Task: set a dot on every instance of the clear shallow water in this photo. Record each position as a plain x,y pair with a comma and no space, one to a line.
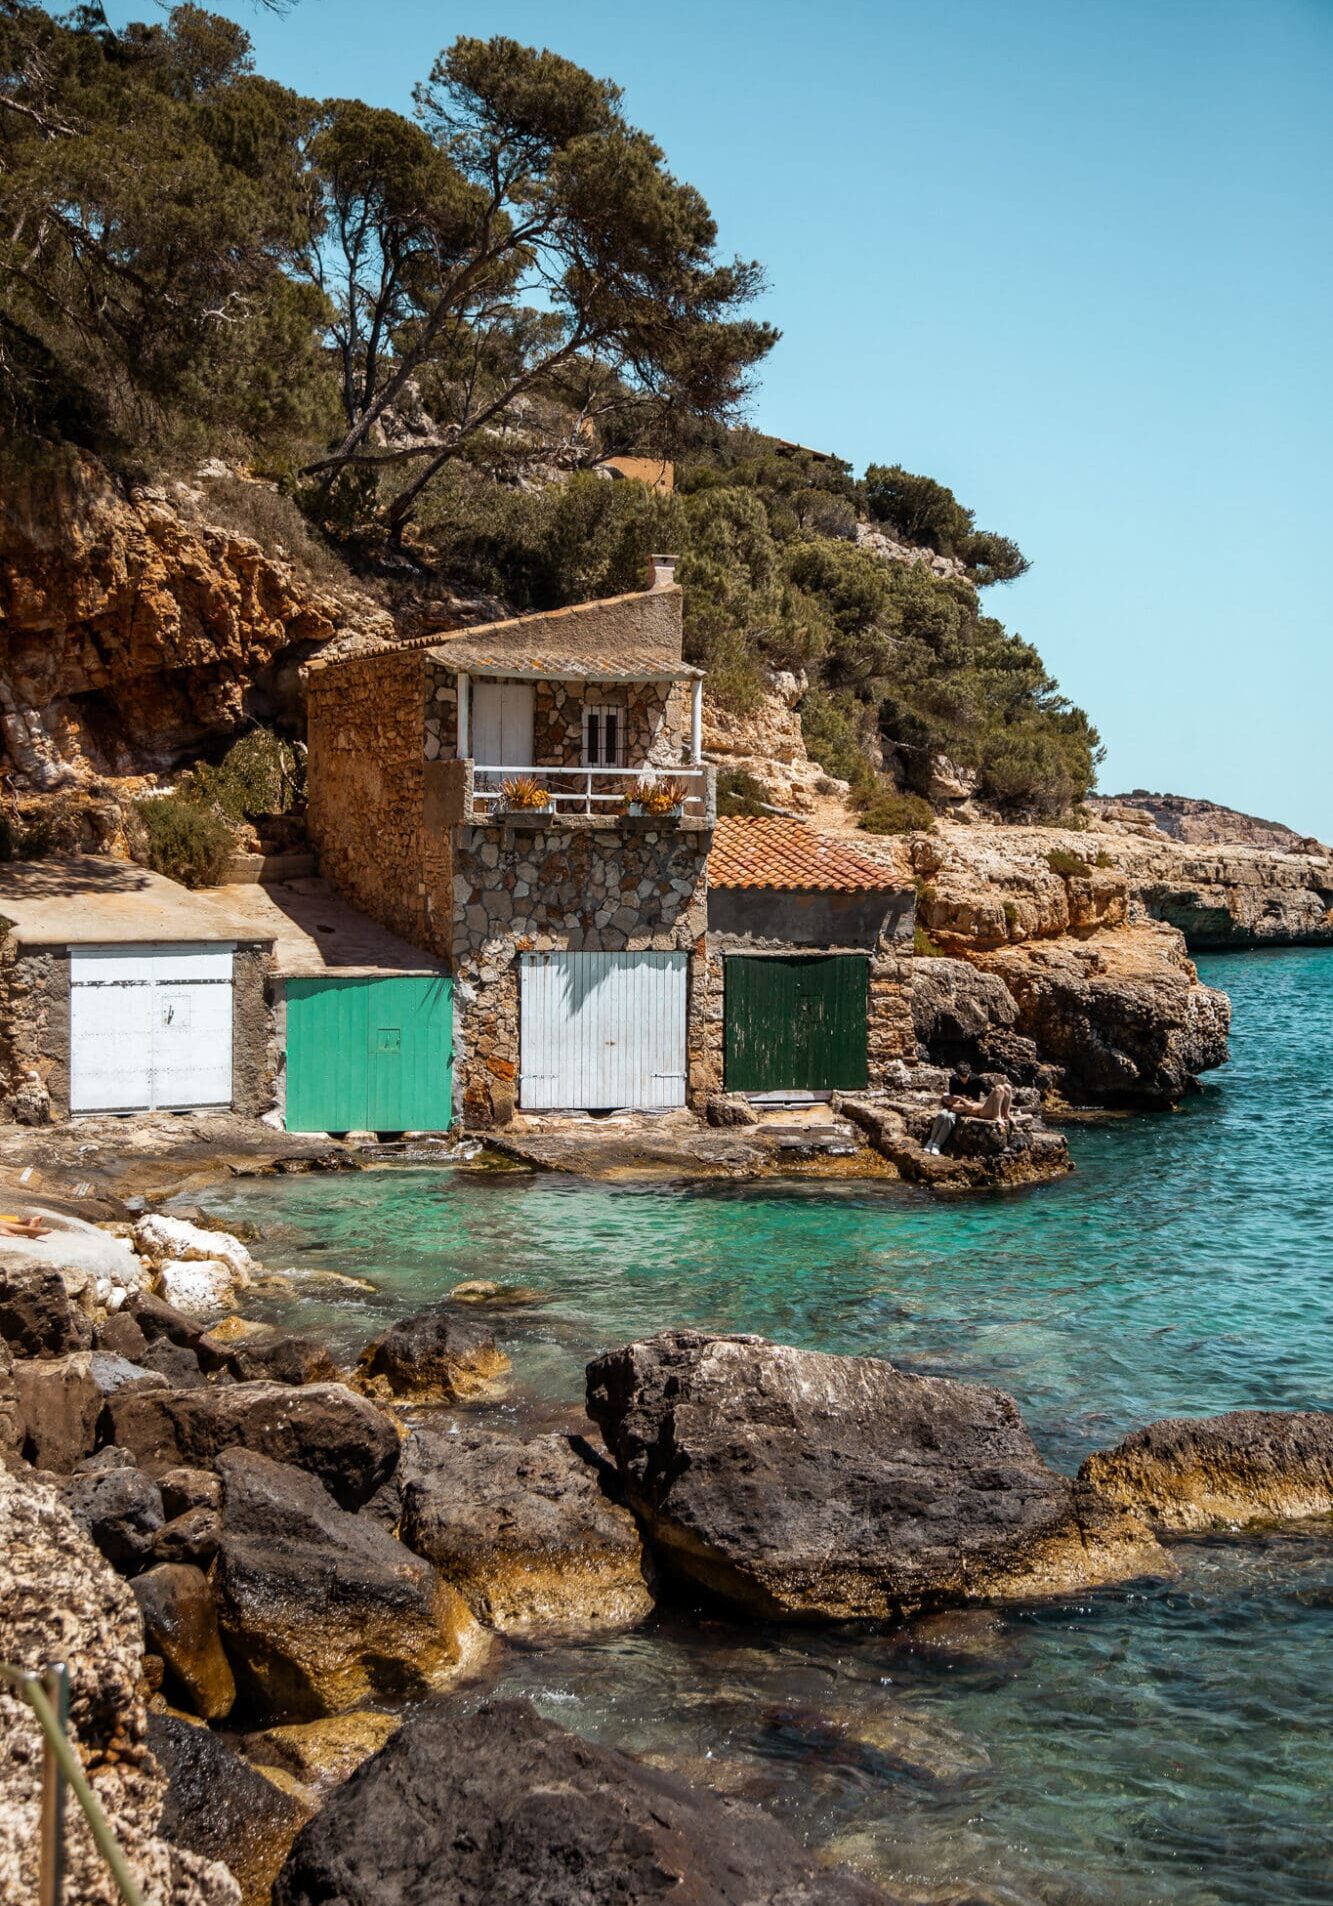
1170,1746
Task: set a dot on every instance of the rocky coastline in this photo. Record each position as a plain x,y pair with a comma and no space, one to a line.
285,1586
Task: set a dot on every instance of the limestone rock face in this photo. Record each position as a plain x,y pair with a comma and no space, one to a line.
133,634
219,1805
438,1355
324,1428
524,1530
954,1003
767,744
60,1599
1200,823
1124,1014
321,1610
501,1805
1190,1473
801,1485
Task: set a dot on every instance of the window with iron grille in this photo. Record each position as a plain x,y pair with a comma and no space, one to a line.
603,737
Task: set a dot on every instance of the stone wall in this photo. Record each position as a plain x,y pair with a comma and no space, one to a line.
365,729
655,718
35,1032
516,891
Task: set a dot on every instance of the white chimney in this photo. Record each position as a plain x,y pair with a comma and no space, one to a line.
661,572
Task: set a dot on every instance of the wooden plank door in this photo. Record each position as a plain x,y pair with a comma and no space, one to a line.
370,1055
599,1031
796,1023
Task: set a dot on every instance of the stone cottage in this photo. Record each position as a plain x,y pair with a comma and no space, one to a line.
490,796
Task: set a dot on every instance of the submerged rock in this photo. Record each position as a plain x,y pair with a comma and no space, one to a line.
1192,1473
219,1806
324,1428
797,1484
501,1805
435,1356
60,1600
321,1610
524,1530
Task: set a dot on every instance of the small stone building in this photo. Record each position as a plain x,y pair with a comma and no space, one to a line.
573,930
808,981
121,992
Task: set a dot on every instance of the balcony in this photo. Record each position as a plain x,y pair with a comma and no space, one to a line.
461,793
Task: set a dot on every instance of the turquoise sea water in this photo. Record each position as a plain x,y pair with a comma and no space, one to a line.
1168,1745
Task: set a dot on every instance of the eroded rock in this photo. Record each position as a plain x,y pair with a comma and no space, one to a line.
502,1805
120,1508
321,1610
1188,1473
438,1355
324,1428
181,1624
524,1529
60,1600
798,1484
221,1807
322,1754
38,1318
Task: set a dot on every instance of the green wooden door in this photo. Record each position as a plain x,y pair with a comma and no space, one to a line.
796,1023
370,1055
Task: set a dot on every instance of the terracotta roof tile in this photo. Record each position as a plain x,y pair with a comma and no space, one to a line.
772,851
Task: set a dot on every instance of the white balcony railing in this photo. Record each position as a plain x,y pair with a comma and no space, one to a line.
590,791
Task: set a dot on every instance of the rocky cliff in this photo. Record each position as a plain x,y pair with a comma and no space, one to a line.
1202,823
133,631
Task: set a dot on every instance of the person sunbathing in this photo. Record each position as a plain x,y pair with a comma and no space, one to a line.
14,1227
995,1106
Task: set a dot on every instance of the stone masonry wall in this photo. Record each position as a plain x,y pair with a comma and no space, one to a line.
582,890
364,726
34,1033
657,718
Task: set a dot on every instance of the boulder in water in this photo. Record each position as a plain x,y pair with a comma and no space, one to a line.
1189,1473
524,1529
501,1805
797,1484
181,1624
322,1754
438,1356
221,1807
321,1610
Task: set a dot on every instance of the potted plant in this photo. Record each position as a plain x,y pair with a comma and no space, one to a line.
523,795
661,799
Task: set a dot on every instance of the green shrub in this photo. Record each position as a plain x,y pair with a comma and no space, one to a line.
741,794
259,774
1068,866
835,729
185,840
1010,910
1103,859
924,947
888,812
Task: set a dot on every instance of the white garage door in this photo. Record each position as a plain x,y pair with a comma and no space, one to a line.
150,1028
600,1030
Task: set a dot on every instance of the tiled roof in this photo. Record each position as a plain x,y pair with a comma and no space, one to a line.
772,851
546,665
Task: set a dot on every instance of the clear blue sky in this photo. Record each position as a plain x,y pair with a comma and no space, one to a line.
1071,257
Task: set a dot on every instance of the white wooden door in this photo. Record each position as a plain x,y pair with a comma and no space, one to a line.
150,1028
602,1030
502,721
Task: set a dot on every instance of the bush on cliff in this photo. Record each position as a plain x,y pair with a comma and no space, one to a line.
184,839
888,812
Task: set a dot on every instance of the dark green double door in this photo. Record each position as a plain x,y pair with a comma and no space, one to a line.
796,1023
370,1055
